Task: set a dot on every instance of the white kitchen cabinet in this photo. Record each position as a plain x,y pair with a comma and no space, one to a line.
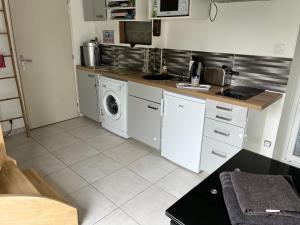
224,133
144,114
226,113
182,130
215,154
88,92
94,10
144,121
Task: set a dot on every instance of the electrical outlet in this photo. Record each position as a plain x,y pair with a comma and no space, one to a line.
267,144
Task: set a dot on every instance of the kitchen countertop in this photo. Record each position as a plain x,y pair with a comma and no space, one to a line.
258,102
201,207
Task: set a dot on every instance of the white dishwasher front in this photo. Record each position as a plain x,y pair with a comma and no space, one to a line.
182,130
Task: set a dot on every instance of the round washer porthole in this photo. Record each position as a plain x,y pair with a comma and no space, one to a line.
111,105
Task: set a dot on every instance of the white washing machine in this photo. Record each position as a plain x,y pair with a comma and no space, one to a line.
114,105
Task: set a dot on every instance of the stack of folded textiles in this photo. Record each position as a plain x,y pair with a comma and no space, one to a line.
253,199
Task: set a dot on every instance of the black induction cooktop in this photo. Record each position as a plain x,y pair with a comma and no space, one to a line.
241,93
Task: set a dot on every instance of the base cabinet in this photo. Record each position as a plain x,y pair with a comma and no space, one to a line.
88,91
144,114
144,121
224,133
215,154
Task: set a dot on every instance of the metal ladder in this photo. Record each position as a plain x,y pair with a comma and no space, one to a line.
14,75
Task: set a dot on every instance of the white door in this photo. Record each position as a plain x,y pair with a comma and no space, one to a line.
43,38
182,130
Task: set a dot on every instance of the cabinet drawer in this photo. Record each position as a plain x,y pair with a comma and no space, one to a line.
215,154
144,121
145,92
227,113
223,132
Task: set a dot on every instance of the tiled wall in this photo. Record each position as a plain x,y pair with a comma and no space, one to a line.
269,73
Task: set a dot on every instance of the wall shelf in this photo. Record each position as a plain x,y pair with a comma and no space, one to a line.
135,10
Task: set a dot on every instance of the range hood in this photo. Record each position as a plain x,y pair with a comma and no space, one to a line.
225,1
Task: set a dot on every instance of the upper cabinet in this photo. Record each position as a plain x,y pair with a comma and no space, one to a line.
131,10
94,10
178,9
119,10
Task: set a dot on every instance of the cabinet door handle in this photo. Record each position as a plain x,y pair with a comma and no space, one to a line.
222,133
223,118
99,16
151,107
224,108
91,76
218,154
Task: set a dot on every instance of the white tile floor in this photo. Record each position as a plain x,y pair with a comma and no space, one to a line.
110,180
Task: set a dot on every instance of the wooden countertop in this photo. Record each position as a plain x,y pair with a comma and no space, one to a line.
258,102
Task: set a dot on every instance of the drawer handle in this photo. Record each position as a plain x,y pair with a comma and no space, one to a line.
218,154
151,107
222,133
223,118
224,108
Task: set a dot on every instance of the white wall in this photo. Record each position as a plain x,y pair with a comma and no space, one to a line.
253,28
244,28
81,30
290,107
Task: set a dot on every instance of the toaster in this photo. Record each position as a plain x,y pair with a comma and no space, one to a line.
216,76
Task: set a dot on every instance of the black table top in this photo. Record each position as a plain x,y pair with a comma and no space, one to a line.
201,207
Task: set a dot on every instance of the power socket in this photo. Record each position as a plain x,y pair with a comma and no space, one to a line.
267,144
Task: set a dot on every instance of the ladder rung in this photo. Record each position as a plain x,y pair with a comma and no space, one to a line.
8,99
5,78
6,56
3,33
14,118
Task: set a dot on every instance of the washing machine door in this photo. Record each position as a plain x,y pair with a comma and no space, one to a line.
111,105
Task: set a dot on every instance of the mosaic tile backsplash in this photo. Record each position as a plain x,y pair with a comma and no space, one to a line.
270,73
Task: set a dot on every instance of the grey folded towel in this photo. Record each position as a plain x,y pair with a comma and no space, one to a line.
237,217
265,194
